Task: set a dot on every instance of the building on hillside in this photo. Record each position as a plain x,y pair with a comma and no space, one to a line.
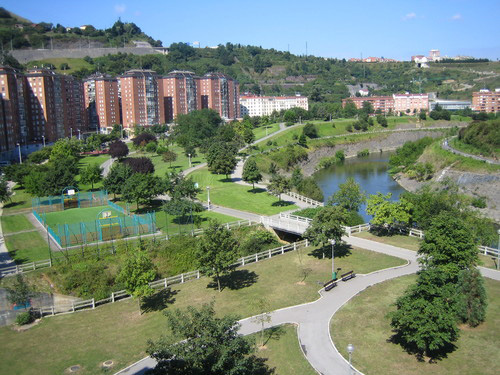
450,105
410,103
179,94
102,102
141,93
434,55
364,92
384,103
252,105
12,109
486,101
221,93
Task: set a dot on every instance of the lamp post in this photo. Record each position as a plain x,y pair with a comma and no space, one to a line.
498,253
208,192
121,131
71,132
43,138
20,158
334,274
189,156
350,349
79,134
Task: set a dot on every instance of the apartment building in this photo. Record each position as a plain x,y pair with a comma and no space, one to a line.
179,94
486,100
383,103
252,105
140,94
12,110
410,103
102,101
221,93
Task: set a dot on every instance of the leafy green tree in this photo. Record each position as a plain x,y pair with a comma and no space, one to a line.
327,224
221,158
388,214
302,141
65,149
309,130
18,172
449,245
210,346
278,186
248,136
179,186
169,156
297,177
91,174
142,188
251,173
471,297
367,108
196,127
116,178
20,292
136,273
5,192
349,195
424,321
216,251
350,109
273,168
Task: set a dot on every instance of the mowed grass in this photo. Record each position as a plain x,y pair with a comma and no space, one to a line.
239,197
15,223
77,215
174,225
261,131
74,64
406,242
362,322
27,247
20,201
88,160
282,350
119,331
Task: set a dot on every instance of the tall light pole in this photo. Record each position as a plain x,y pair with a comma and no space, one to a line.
79,134
189,156
334,274
71,132
43,138
20,158
208,192
350,349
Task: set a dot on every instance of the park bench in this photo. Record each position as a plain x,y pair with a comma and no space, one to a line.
329,285
348,275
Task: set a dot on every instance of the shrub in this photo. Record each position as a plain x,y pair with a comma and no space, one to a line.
140,165
24,318
363,153
479,202
118,149
349,128
40,156
309,130
143,139
257,241
151,147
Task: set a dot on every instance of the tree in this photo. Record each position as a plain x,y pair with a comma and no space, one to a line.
302,141
20,292
221,158
349,195
471,297
169,156
216,251
210,346
116,178
273,168
327,224
91,174
248,136
118,149
179,186
278,186
251,173
264,317
367,107
5,192
309,130
449,244
196,126
136,274
140,165
424,321
388,214
142,188
143,139
65,149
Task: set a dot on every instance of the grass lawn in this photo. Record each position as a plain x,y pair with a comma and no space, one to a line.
77,215
362,323
27,247
74,64
406,242
260,132
20,201
175,227
82,163
469,149
282,349
119,331
15,223
240,197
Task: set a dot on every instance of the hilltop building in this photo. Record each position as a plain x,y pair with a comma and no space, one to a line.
252,105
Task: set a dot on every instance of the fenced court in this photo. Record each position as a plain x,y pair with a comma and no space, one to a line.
97,222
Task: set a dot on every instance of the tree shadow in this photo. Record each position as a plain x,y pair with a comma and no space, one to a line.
282,204
274,333
237,279
236,179
256,190
158,301
341,250
13,204
410,348
154,205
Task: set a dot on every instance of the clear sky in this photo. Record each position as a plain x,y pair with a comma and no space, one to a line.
331,28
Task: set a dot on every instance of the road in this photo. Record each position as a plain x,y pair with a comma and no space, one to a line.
447,147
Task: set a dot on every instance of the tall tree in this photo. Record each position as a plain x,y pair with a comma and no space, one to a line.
91,174
211,346
195,127
327,224
216,251
118,149
20,292
251,173
388,214
5,192
278,186
115,180
349,195
142,188
221,158
169,156
471,297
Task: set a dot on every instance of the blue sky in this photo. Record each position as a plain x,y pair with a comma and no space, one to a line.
392,28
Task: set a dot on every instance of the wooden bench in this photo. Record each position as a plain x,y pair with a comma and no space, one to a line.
329,285
348,275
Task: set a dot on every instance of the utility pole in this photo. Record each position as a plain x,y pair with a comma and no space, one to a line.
306,50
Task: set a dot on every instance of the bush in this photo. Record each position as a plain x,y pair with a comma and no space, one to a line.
308,212
40,156
310,131
257,241
25,317
363,153
349,128
479,202
143,139
140,165
151,147
118,149
310,188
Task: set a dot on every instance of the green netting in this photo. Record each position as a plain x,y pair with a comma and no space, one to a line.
64,201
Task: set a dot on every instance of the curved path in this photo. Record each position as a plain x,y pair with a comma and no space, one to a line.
447,147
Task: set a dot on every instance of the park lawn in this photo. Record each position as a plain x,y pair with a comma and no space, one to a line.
406,242
15,223
74,64
239,197
20,201
362,322
488,261
469,149
173,226
260,132
82,163
119,331
27,247
77,215
282,350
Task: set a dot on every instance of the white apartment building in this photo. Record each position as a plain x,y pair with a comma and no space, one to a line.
266,105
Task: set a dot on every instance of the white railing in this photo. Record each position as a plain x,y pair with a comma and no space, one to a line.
25,267
359,228
307,200
416,233
485,250
294,226
296,218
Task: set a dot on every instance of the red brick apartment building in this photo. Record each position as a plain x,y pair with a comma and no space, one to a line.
384,103
486,101
405,103
12,111
102,101
179,93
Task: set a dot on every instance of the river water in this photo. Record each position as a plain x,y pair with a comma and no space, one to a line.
370,172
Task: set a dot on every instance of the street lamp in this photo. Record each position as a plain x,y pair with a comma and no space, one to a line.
71,132
189,156
20,158
79,134
43,138
350,349
334,274
208,192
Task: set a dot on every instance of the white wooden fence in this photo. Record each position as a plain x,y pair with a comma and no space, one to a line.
25,267
307,200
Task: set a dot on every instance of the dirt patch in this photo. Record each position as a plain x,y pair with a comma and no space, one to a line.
26,326
300,283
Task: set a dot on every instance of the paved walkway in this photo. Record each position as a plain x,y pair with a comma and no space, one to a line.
5,259
447,147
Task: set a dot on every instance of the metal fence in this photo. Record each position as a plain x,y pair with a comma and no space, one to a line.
63,202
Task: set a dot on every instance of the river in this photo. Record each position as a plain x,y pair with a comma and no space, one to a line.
370,172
